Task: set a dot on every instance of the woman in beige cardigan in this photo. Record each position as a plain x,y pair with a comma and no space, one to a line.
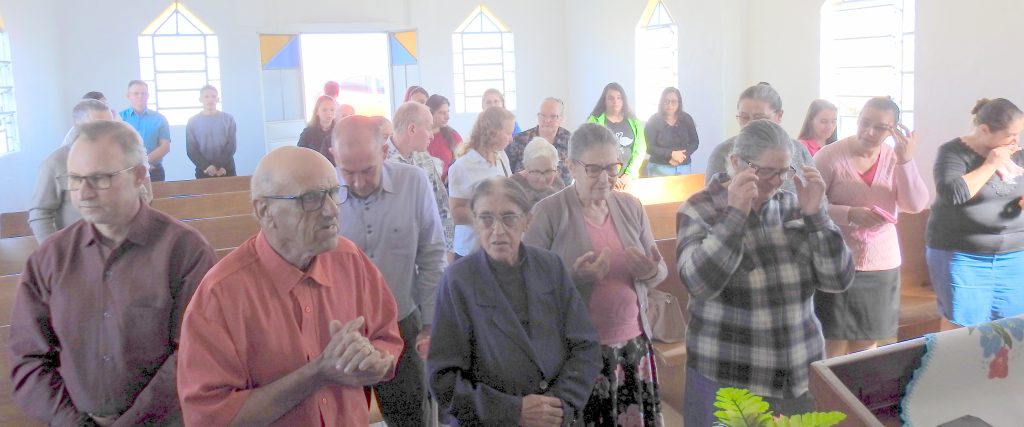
606,237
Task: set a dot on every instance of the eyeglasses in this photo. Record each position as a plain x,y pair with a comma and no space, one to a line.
594,171
878,127
544,173
543,116
764,173
508,220
100,181
313,201
748,117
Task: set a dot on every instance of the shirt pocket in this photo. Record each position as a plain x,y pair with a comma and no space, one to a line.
400,242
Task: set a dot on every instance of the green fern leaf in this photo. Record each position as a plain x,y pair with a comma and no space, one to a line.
740,408
811,419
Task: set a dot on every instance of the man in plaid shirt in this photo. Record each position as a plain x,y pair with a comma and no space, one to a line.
752,257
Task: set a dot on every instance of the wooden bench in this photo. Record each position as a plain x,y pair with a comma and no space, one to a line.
162,190
14,253
662,197
14,224
226,232
205,205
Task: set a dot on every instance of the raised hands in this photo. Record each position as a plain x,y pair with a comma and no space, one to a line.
350,358
641,266
540,410
906,142
591,267
810,190
743,190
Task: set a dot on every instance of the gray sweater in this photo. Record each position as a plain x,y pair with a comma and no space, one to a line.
558,225
51,207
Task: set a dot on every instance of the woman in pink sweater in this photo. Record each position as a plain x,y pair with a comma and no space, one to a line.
868,182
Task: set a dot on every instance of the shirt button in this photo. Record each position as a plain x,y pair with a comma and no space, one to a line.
106,358
107,274
543,385
309,309
323,400
106,314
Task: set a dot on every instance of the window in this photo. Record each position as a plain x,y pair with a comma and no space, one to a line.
657,60
8,119
867,49
178,55
483,51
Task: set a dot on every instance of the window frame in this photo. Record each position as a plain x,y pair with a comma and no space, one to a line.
652,80
468,91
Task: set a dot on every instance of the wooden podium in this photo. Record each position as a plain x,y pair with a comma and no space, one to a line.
867,386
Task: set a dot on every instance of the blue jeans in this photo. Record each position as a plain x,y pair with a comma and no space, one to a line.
977,288
699,401
657,169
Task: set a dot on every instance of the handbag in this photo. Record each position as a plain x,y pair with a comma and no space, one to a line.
665,317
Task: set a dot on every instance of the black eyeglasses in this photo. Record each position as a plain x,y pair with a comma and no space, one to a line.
508,220
614,170
544,173
313,201
769,173
749,118
100,181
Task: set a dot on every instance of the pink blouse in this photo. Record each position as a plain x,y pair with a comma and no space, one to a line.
895,187
613,305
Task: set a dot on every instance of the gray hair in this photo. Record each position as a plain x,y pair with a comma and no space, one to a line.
589,136
551,99
407,114
501,185
540,147
120,132
82,110
760,136
763,92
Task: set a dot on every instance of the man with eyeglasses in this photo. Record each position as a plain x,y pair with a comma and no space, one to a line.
549,127
94,331
288,329
390,214
752,257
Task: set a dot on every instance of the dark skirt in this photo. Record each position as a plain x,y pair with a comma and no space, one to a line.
869,310
626,392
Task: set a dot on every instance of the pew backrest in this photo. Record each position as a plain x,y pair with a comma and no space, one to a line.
205,205
162,190
14,224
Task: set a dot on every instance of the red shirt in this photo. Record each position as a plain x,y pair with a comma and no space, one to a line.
257,318
439,148
111,326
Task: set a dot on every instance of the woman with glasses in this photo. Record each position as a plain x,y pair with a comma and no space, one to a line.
512,343
606,237
752,258
482,157
612,111
539,176
671,136
760,101
868,183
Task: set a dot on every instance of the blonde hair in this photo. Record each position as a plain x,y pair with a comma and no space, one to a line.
488,123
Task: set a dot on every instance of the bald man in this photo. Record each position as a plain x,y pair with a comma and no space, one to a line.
289,328
390,214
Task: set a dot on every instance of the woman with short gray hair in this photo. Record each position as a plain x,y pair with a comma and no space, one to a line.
540,170
606,237
752,257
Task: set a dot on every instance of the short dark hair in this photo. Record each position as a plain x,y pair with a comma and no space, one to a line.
413,90
997,113
884,103
138,82
599,109
94,95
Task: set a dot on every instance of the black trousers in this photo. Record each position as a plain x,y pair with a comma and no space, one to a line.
156,173
403,400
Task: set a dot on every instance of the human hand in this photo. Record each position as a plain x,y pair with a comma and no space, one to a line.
103,421
865,218
350,358
621,182
210,171
222,172
679,156
906,143
540,410
423,342
1001,155
641,266
591,267
810,190
742,190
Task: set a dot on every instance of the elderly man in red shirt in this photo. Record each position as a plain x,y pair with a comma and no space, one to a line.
95,325
290,328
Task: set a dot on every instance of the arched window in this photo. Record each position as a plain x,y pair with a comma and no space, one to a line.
8,117
178,55
483,52
867,49
657,56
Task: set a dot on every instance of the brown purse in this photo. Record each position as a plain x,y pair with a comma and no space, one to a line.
665,317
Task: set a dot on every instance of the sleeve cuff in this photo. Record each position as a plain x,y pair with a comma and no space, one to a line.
816,222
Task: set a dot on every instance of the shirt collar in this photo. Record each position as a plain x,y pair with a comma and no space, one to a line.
141,229
393,152
283,274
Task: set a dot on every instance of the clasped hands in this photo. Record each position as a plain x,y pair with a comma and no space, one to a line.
591,267
350,358
215,171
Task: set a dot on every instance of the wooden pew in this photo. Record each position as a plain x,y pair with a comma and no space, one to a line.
13,254
226,232
662,197
162,190
14,224
205,205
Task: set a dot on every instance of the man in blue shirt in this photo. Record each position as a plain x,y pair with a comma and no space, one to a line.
388,210
153,126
